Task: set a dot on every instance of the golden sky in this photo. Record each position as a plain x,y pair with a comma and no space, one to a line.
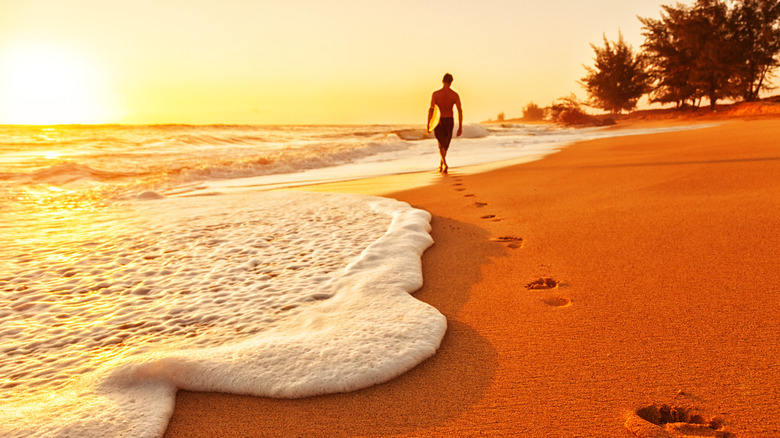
295,61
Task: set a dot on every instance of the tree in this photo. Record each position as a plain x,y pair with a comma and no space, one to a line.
715,49
618,78
691,53
532,111
756,29
670,65
707,35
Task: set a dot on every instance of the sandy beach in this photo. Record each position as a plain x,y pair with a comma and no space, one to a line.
659,255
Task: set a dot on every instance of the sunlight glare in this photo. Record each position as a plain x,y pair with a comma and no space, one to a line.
45,85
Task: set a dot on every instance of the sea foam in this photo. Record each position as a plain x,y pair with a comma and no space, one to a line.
283,294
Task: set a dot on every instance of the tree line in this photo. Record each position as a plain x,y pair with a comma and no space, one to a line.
713,49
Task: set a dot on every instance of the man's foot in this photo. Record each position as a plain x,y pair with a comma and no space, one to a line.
444,168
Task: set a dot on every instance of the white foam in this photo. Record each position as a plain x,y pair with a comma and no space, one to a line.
470,130
284,294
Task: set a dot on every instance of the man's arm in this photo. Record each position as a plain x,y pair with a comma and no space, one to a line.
430,113
460,115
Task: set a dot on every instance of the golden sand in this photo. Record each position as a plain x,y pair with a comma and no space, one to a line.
655,260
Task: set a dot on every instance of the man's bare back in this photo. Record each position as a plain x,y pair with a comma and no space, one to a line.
445,99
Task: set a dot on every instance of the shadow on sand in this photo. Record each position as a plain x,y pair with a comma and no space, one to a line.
439,389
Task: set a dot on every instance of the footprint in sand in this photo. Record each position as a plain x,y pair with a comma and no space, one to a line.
543,283
511,241
546,283
557,301
469,195
458,184
460,189
663,420
480,204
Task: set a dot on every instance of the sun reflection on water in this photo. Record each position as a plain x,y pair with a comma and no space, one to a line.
82,287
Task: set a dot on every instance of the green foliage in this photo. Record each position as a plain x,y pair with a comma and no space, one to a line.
691,52
756,30
532,111
618,78
568,111
669,66
712,50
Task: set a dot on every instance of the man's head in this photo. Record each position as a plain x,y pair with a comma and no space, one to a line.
447,79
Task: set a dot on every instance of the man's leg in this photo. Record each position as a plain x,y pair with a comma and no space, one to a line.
443,159
443,134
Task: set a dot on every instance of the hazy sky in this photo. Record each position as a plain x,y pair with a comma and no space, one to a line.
295,61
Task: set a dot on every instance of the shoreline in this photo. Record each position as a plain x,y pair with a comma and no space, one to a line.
665,250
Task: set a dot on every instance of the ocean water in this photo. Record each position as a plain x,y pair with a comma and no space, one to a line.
124,275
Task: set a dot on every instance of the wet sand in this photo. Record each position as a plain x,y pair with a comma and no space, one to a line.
659,260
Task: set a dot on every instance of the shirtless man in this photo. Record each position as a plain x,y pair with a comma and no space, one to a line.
445,99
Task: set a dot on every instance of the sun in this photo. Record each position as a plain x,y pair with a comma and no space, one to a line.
46,85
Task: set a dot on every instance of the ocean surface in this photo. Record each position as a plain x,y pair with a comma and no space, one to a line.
128,269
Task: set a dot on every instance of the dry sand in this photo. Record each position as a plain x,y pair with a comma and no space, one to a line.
666,252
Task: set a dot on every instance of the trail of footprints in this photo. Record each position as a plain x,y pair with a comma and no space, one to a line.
655,420
514,242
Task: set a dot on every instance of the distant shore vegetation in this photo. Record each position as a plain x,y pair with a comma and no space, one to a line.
712,50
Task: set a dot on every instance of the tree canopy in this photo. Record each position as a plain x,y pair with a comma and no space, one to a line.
713,49
756,27
618,79
690,52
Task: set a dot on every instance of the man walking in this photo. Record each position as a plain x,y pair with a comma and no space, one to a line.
445,98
